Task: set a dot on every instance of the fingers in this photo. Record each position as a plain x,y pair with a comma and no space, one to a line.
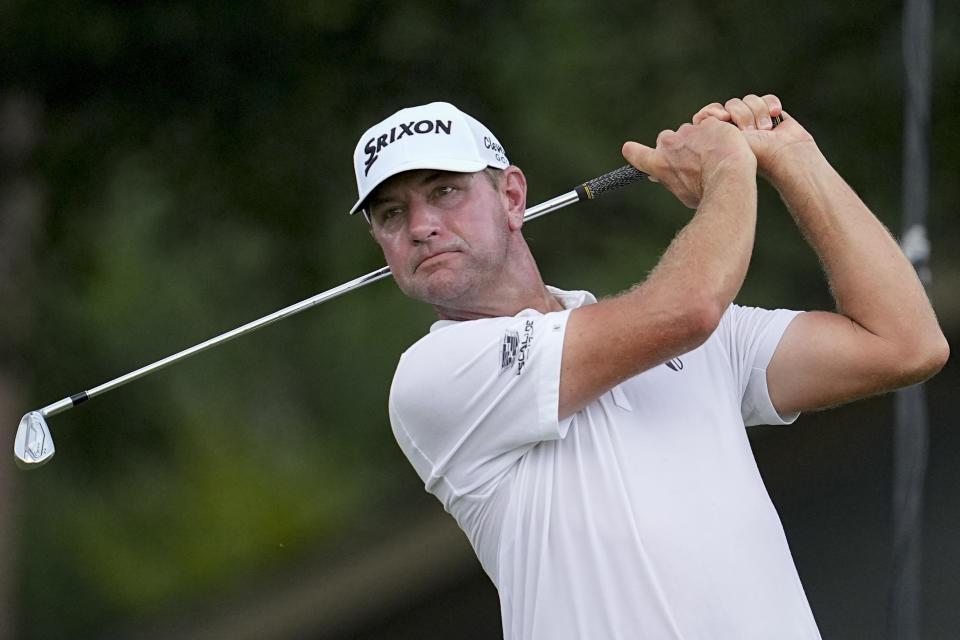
642,157
712,110
746,111
773,104
749,112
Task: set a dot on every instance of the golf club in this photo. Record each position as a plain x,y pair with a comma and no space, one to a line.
33,445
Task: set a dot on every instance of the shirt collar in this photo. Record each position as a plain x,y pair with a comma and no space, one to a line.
568,300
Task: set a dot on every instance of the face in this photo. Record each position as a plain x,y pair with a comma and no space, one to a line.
445,235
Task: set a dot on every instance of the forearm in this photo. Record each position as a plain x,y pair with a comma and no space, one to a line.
680,303
675,309
708,259
871,280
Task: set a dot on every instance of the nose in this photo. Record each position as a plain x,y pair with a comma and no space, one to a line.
424,222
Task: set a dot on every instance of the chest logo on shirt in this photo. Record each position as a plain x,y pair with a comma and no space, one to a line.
676,364
516,350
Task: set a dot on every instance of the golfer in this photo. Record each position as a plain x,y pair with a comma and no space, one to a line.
594,452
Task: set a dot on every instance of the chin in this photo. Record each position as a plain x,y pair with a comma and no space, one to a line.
441,288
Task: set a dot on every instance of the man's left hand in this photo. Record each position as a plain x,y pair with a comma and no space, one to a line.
776,150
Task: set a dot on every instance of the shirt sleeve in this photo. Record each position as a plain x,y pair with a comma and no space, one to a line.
468,400
752,335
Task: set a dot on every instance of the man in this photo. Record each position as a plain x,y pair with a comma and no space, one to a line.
595,452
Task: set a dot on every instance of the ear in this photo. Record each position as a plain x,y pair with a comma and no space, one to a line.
513,190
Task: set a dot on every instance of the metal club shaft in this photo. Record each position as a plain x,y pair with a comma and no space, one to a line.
34,446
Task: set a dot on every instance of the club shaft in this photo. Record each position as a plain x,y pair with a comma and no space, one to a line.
588,190
67,403
550,205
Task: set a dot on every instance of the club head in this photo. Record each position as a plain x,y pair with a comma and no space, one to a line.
33,446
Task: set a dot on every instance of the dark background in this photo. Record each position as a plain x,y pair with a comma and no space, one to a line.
171,170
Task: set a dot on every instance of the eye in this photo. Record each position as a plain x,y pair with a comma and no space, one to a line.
444,190
382,215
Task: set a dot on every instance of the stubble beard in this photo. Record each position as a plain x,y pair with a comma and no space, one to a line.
465,284
454,286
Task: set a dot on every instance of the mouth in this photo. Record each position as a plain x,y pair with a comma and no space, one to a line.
433,257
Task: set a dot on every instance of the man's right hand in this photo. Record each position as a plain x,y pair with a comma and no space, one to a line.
691,159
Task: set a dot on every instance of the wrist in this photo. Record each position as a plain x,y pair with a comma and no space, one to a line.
733,169
793,162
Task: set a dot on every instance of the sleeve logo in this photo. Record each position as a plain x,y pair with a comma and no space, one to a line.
513,350
508,350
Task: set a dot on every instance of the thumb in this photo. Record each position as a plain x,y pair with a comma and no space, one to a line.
642,157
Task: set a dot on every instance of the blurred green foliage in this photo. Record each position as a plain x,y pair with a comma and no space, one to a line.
195,171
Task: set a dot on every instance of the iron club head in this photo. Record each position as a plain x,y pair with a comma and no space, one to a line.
33,445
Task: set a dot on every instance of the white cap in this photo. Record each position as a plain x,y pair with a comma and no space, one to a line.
431,136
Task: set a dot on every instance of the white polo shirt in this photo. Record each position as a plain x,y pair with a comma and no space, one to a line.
643,515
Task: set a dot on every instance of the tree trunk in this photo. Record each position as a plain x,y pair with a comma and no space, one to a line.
21,212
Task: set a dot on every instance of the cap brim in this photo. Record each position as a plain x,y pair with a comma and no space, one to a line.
439,164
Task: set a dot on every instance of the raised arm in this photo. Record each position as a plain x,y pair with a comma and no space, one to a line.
708,166
884,334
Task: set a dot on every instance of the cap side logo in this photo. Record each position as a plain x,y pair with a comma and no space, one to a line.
496,149
377,143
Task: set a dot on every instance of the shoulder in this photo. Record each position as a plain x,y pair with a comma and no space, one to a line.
452,341
455,351
462,359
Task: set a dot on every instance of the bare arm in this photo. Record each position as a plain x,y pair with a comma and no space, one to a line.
884,334
707,166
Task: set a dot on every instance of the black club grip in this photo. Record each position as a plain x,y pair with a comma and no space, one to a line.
627,174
